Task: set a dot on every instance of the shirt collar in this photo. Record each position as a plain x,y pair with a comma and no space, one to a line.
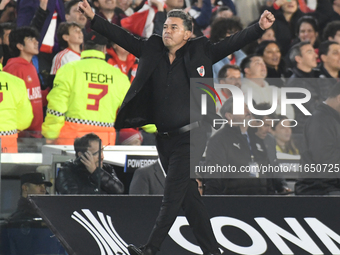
180,52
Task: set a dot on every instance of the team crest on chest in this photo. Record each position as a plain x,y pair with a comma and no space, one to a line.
201,71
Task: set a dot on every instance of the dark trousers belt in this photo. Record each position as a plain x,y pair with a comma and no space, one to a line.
180,130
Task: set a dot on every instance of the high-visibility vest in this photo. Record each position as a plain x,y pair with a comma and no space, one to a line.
85,98
15,110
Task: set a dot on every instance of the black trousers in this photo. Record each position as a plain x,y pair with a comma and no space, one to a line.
175,154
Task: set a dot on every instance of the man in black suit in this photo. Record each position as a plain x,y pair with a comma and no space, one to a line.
160,94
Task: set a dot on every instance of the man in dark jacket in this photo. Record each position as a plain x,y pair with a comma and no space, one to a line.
329,53
322,149
263,132
84,175
160,94
27,232
31,183
233,145
304,58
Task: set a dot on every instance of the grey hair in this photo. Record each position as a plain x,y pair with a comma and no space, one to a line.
296,51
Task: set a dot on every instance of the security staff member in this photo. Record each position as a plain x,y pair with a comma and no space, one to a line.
15,110
85,97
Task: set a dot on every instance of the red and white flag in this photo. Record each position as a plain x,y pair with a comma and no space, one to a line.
141,22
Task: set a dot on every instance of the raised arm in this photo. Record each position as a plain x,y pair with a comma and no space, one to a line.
40,16
113,32
237,41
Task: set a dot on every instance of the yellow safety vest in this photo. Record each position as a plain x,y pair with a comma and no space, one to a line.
87,91
15,107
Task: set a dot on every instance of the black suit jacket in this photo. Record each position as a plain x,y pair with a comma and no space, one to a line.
136,108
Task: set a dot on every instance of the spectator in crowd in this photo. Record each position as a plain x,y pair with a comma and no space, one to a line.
334,10
108,10
200,21
15,109
85,97
307,31
125,61
149,180
282,132
220,29
70,39
87,174
5,30
45,24
228,74
336,7
255,72
321,146
130,136
332,31
37,239
269,35
40,20
329,53
248,10
275,64
263,124
303,57
287,15
222,12
73,15
142,21
217,4
50,13
24,45
125,6
31,184
233,145
218,12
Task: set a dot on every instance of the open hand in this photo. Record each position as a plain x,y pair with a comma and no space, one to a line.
88,160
